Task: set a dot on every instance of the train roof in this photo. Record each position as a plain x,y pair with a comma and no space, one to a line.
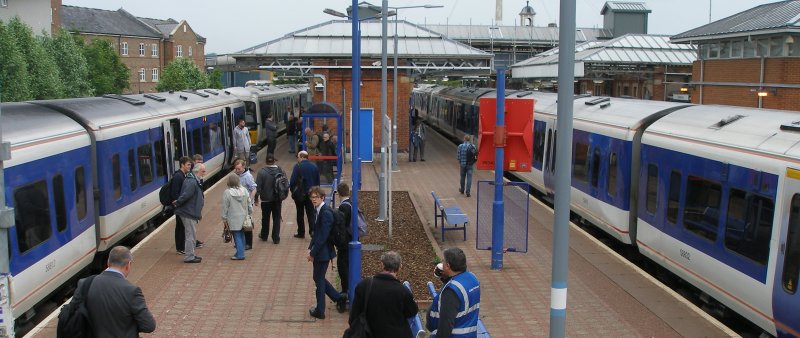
25,123
265,91
763,130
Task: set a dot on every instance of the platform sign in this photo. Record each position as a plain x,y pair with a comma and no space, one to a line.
518,137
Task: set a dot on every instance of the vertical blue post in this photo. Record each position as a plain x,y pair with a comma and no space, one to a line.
566,98
498,209
354,275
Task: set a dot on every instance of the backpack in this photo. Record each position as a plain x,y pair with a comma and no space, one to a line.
73,320
339,235
165,194
281,185
362,221
299,192
471,154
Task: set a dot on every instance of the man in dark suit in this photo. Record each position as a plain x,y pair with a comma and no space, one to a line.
306,173
320,253
117,307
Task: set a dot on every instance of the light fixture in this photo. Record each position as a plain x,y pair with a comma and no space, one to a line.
597,81
684,89
319,87
762,92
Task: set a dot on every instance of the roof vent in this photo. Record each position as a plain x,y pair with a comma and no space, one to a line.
212,92
183,97
524,94
155,97
195,93
791,126
726,121
133,101
598,100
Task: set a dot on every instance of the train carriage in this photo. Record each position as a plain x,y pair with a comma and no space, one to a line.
261,101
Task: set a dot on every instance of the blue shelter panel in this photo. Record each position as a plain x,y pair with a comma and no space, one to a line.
366,120
515,220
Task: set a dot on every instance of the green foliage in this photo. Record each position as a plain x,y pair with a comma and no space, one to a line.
41,65
107,74
215,79
182,74
71,63
14,78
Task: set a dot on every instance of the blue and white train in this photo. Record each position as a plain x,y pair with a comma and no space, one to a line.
85,173
711,193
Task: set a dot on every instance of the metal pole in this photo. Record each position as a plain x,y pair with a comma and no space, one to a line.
566,75
382,175
394,90
355,246
498,208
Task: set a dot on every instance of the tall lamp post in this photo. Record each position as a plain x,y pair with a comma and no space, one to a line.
394,90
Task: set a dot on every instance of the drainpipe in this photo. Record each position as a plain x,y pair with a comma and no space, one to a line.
761,82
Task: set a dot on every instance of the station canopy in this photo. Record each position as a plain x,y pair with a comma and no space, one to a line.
420,50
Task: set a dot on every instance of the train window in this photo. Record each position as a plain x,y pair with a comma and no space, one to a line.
791,258
197,142
32,213
580,165
674,199
206,140
250,114
132,169
749,225
549,148
145,153
652,188
214,137
80,193
538,144
612,174
701,211
60,203
553,158
595,166
117,176
161,160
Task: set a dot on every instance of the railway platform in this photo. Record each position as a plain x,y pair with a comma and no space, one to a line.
269,293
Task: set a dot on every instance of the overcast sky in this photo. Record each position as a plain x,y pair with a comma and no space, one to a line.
233,25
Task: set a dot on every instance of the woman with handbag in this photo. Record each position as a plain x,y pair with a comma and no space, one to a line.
236,209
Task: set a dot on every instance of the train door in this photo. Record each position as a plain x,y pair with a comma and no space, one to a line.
549,166
227,133
785,295
168,148
178,140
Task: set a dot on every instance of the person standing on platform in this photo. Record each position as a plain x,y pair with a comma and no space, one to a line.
466,164
304,176
343,252
312,142
454,311
189,206
299,128
390,303
326,148
247,181
241,141
116,307
418,140
175,191
320,253
271,133
235,208
270,201
291,130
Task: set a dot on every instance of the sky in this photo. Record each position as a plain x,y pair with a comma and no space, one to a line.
233,25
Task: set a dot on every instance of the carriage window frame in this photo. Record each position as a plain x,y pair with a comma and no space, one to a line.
580,162
145,157
197,141
40,222
595,166
755,244
132,177
206,132
701,205
611,182
538,145
791,258
651,186
674,196
60,202
80,193
116,176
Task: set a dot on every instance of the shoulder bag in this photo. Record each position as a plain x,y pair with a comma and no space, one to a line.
360,328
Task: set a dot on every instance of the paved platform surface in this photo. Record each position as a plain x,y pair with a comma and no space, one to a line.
269,293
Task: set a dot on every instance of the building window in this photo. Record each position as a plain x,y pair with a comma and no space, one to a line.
141,75
3,3
124,48
155,75
190,50
179,52
141,49
154,49
736,49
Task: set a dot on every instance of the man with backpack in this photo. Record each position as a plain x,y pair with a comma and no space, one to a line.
273,187
467,154
344,234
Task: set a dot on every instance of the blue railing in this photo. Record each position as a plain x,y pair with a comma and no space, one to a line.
414,322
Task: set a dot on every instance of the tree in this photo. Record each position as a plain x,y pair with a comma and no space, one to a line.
107,74
215,79
14,78
41,65
71,63
182,74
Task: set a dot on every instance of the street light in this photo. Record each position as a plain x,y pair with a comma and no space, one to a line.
394,119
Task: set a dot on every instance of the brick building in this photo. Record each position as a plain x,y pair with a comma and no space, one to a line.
144,45
40,15
322,53
749,59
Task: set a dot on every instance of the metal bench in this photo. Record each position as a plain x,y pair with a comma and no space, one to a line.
450,215
482,332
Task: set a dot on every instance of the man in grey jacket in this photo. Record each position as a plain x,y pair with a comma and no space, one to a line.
189,207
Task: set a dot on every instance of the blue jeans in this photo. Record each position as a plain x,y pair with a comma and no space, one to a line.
466,172
292,143
323,286
238,240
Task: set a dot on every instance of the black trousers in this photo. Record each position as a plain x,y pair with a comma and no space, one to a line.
180,236
343,265
271,208
311,213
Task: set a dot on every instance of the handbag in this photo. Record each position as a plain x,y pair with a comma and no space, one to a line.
226,233
360,328
248,224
